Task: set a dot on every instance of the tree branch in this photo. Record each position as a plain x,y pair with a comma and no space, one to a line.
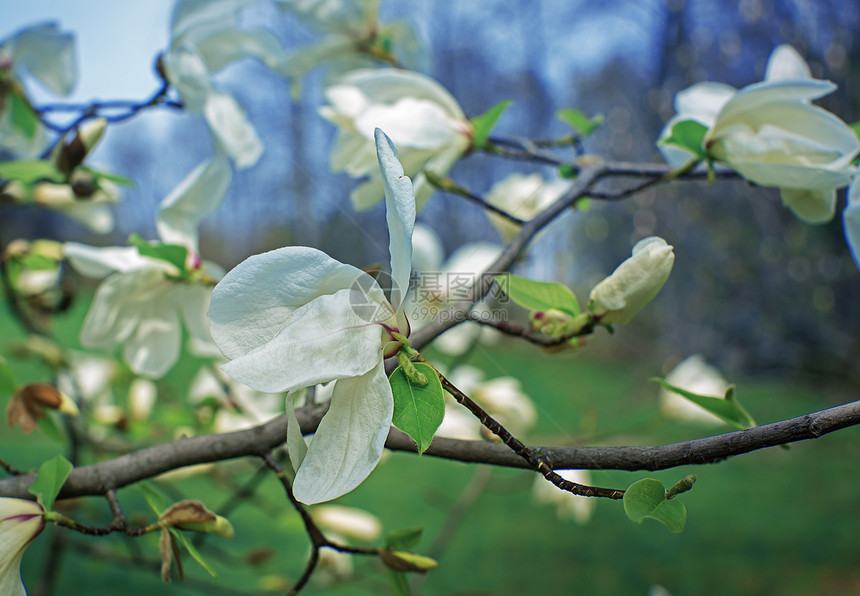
98,479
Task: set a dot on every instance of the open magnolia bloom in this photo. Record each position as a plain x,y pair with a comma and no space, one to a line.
354,37
48,55
294,317
423,120
20,522
205,37
523,196
634,283
147,287
772,135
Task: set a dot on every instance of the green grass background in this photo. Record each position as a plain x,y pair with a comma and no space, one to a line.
770,522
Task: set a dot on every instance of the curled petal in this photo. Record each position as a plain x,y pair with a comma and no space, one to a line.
99,262
233,132
154,346
786,63
349,440
400,214
812,206
48,55
331,337
20,522
252,303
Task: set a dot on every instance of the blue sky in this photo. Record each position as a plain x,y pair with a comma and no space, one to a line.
113,61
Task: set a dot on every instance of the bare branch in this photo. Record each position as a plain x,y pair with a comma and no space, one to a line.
98,479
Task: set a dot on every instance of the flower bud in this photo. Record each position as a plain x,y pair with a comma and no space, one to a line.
29,403
634,283
193,515
20,522
403,561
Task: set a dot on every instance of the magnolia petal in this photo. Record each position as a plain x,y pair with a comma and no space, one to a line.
389,85
702,102
812,206
283,280
755,96
193,302
186,70
48,55
118,306
329,338
427,251
20,522
232,129
99,262
97,218
297,448
228,44
349,440
851,221
414,123
345,16
188,14
786,63
400,214
194,199
153,348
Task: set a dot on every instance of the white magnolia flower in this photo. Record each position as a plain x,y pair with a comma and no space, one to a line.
294,317
20,522
48,55
141,299
634,283
142,394
205,37
772,135
421,117
696,376
568,506
523,196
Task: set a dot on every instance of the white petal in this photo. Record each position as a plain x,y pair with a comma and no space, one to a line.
297,448
118,305
812,206
97,217
20,522
228,44
786,63
349,440
186,70
250,306
100,262
413,123
755,96
702,102
193,302
427,251
400,214
388,85
153,348
233,132
48,55
326,339
194,199
188,14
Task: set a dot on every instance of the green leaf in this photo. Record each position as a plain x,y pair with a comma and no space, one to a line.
8,383
30,170
37,262
855,127
99,175
192,550
153,499
175,254
52,429
418,409
567,172
398,583
726,409
50,479
689,135
538,295
646,499
484,123
23,116
404,539
579,121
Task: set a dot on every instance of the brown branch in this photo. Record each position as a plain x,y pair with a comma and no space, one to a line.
98,479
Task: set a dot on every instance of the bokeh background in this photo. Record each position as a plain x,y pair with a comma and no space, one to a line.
767,298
